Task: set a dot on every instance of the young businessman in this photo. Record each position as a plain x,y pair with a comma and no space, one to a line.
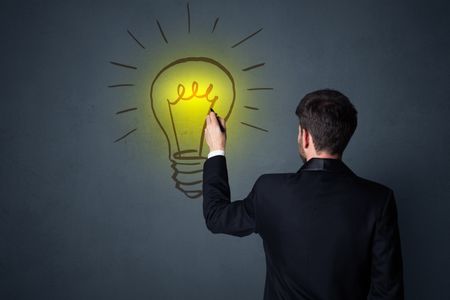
327,233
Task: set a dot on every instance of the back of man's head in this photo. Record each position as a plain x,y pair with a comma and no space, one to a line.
329,117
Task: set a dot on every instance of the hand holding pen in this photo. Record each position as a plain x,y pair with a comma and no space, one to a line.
215,131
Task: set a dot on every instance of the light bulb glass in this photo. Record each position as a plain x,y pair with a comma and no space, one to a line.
181,95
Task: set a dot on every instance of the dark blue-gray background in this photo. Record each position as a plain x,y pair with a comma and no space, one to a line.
82,217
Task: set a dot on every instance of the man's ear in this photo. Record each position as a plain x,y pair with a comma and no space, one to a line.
299,134
305,137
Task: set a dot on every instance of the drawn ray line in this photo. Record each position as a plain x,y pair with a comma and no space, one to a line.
189,17
126,110
125,135
251,107
120,85
162,32
215,24
246,38
135,39
253,67
256,127
260,89
123,65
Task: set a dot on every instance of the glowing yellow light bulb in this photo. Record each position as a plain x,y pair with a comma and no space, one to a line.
181,95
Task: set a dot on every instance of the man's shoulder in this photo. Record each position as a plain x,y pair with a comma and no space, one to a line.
373,190
270,178
372,184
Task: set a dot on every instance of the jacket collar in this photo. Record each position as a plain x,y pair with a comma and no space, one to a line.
325,164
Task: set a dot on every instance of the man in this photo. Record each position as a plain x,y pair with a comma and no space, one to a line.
327,233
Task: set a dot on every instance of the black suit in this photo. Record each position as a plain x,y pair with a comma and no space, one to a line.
327,233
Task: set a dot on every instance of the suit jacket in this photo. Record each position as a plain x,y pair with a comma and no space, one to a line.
327,233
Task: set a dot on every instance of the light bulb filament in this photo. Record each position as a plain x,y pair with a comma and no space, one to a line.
181,90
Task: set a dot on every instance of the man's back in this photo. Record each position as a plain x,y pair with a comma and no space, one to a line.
327,233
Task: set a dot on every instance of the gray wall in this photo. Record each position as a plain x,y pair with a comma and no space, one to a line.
82,217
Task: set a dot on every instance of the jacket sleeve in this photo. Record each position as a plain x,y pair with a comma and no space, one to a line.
387,269
221,215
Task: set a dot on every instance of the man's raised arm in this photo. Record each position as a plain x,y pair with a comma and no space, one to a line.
221,215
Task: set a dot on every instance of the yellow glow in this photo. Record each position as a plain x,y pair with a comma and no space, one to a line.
181,95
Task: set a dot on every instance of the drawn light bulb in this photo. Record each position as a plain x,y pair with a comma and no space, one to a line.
181,95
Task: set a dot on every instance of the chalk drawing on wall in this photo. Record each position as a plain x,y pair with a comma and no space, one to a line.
181,95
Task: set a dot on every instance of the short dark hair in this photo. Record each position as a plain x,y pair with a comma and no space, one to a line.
329,117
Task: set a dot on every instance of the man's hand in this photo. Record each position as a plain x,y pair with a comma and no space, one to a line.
214,136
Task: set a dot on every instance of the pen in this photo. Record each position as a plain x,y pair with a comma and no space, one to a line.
221,128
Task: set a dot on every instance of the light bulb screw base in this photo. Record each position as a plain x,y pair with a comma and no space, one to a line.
188,173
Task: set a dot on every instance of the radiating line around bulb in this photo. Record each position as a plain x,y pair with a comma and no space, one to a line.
215,24
135,39
246,38
122,65
126,110
251,107
120,85
260,89
256,127
161,31
189,17
125,135
253,67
